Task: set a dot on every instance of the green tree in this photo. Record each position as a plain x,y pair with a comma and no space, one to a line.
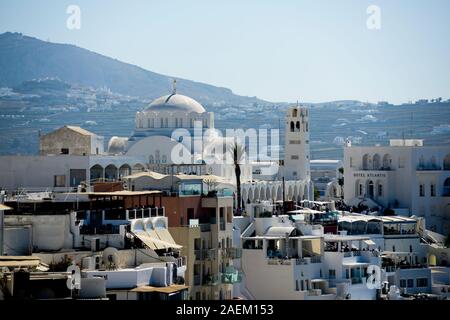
237,151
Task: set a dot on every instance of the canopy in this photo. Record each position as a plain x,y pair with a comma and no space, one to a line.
155,243
369,242
279,231
3,207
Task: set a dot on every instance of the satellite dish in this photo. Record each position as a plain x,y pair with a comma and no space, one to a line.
111,258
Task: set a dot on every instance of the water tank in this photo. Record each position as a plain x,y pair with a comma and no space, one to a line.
341,290
88,263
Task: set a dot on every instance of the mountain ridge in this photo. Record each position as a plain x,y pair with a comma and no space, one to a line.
24,58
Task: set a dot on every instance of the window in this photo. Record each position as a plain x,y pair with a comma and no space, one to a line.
294,112
380,190
421,190
294,157
294,142
401,162
433,190
402,283
351,162
292,126
410,283
332,274
65,151
422,282
60,181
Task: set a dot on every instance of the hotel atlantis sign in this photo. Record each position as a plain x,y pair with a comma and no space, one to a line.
369,175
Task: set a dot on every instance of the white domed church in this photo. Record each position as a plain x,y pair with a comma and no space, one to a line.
153,139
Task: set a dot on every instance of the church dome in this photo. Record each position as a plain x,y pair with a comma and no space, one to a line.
175,103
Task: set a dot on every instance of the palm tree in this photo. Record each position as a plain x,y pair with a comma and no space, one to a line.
237,151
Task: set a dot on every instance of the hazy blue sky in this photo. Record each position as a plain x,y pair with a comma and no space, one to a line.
276,50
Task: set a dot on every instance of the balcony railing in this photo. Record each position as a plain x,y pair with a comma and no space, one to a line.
205,254
181,261
232,277
209,254
145,213
232,253
428,167
205,227
211,280
103,229
276,261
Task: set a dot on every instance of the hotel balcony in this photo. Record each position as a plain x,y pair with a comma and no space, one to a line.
231,276
232,253
205,254
211,280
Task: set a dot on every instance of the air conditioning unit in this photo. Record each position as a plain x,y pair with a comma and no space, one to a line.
98,260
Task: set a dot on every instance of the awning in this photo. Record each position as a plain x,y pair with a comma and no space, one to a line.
369,242
279,231
164,235
155,243
19,263
3,207
169,289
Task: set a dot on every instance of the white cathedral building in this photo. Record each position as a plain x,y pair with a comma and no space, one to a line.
151,147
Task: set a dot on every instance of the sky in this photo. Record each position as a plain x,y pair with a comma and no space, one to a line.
311,51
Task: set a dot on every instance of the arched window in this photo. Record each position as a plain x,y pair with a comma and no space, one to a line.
294,112
297,126
306,126
387,162
447,162
432,190
176,122
421,190
162,123
376,162
292,126
181,122
366,162
380,190
433,162
164,159
422,162
167,123
370,189
157,157
446,191
151,159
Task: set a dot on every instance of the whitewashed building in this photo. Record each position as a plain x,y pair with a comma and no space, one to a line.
406,176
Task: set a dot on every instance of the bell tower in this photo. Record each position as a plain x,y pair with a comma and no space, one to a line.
296,144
